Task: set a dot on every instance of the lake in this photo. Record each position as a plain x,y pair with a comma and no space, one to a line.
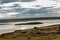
10,26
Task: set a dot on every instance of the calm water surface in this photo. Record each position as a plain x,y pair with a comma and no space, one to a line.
10,27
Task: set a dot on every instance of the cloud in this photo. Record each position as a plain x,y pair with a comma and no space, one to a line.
9,15
8,1
29,8
27,0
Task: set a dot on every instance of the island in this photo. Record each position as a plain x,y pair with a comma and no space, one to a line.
30,23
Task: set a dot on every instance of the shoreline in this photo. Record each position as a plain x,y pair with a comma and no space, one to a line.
52,32
28,28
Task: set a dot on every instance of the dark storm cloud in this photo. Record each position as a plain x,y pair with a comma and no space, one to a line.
27,0
7,1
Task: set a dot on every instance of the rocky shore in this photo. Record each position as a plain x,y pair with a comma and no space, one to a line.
36,33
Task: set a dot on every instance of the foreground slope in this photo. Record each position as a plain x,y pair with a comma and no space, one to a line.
42,33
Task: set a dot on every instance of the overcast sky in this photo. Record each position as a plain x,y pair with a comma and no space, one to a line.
29,8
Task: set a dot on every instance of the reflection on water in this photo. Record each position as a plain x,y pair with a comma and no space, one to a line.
11,27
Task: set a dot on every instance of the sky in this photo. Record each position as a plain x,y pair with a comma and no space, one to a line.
10,9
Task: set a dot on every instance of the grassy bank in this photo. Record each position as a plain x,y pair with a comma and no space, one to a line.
42,33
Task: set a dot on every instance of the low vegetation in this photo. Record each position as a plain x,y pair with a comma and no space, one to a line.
42,33
30,23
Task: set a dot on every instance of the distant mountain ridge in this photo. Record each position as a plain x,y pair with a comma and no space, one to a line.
28,19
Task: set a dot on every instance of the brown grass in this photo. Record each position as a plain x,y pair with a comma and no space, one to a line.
42,33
